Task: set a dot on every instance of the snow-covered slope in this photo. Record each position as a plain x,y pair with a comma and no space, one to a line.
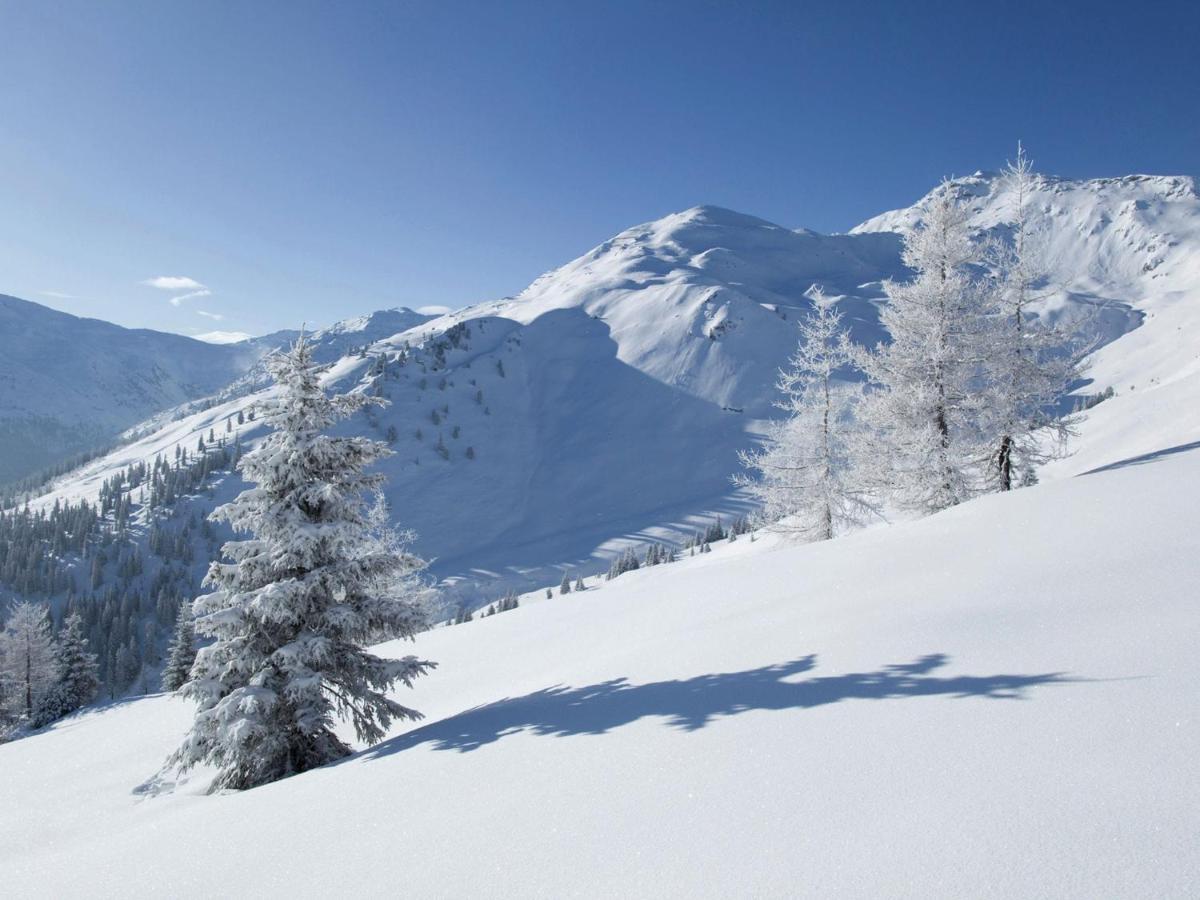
1127,251
68,384
347,336
997,701
607,402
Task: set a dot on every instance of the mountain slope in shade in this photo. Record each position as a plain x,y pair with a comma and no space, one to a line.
997,701
68,384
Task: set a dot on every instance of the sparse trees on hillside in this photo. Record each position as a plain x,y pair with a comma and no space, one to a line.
292,608
922,417
803,474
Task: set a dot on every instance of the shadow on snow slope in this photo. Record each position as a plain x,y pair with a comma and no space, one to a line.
1145,458
692,703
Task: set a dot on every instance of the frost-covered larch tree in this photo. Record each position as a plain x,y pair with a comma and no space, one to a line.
182,652
802,474
318,576
1031,362
30,663
921,420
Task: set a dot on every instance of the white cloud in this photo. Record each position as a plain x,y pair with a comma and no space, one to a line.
223,337
203,292
432,310
57,295
173,283
216,317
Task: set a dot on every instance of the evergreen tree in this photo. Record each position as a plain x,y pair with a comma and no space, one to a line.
291,610
922,420
78,675
1031,363
564,586
182,652
803,475
579,584
30,664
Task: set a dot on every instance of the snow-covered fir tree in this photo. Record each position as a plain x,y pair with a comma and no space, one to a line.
28,661
802,476
922,435
291,610
182,652
1031,362
564,586
78,674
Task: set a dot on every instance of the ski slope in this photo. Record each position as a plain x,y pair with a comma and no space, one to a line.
997,701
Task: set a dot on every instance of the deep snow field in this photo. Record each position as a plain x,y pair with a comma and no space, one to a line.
997,701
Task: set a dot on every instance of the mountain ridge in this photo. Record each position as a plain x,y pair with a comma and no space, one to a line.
650,360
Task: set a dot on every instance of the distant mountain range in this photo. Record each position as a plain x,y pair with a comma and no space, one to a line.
68,384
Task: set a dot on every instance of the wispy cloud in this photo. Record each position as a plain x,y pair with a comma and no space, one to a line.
216,317
203,292
57,295
193,287
173,283
432,310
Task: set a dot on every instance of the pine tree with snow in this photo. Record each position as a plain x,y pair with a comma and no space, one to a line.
182,652
803,475
1031,363
579,584
564,586
78,675
290,613
30,663
923,439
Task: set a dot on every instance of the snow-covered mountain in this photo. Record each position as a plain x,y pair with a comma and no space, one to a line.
347,336
68,384
904,711
1125,253
997,701
606,403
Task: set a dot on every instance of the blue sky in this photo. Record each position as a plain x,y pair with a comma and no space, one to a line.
311,161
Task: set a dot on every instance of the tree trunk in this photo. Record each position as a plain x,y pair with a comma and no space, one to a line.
1004,463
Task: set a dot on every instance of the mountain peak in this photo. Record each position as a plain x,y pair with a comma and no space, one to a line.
718,216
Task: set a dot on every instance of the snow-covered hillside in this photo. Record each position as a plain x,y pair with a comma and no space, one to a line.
69,384
1127,252
607,402
996,701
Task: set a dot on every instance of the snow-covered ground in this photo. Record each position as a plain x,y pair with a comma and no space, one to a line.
997,701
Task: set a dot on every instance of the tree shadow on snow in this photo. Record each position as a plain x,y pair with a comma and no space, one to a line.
693,703
1146,458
